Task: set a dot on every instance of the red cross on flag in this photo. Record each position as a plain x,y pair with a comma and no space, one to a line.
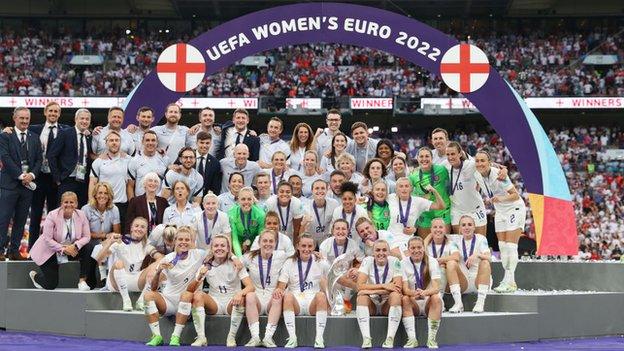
181,67
464,68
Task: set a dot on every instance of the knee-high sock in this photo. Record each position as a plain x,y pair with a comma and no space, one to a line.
504,255
394,319
147,287
122,283
321,321
235,319
482,291
513,261
363,318
199,321
149,310
289,320
270,330
456,292
432,327
409,323
184,308
254,329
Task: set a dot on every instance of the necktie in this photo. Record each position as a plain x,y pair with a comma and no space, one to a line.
238,138
201,166
81,149
24,147
153,214
50,137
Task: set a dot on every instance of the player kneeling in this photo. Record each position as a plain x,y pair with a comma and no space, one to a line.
379,292
421,279
305,277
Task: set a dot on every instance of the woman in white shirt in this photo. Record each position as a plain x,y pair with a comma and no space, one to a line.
211,221
181,213
349,210
339,145
302,141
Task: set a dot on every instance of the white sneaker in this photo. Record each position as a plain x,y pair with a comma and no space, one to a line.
32,275
83,286
478,308
319,344
268,343
457,308
292,343
254,342
231,341
389,343
200,341
367,343
127,305
411,343
139,305
432,344
512,288
503,287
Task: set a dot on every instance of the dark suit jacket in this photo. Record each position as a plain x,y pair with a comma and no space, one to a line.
63,154
253,142
137,207
212,175
38,128
10,155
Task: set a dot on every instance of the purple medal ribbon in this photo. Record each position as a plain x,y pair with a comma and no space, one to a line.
126,239
419,278
404,217
344,216
268,277
385,273
283,221
178,257
336,248
302,278
472,246
246,229
273,180
433,248
454,186
318,217
207,233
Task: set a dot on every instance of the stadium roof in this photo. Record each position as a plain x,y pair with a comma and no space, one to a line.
222,10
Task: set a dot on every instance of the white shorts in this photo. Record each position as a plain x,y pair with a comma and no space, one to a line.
478,215
471,278
421,306
305,300
510,219
379,301
264,296
132,280
172,302
222,302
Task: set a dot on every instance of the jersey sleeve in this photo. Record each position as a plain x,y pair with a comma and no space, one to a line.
366,265
116,218
483,244
242,274
422,204
434,269
396,268
95,168
284,273
298,209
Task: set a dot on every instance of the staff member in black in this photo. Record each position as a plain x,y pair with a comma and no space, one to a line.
207,165
20,153
69,157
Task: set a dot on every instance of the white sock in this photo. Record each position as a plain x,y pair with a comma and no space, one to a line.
289,320
254,329
409,323
199,321
147,287
504,255
513,261
235,319
177,330
394,319
155,328
321,321
122,283
482,291
456,292
102,270
270,330
363,318
432,328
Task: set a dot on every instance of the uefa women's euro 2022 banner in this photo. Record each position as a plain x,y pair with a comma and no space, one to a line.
463,67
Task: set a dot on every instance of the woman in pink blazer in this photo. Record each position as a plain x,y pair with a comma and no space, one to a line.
65,232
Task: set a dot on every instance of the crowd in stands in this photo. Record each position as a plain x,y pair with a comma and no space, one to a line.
596,183
536,62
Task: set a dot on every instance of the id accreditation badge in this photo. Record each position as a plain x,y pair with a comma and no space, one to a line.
45,166
81,172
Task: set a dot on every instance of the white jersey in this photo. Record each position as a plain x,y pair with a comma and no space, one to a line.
276,179
307,181
495,187
465,248
397,240
207,228
269,147
183,272
284,244
115,172
447,248
131,254
393,266
351,218
464,195
172,140
286,213
310,282
140,165
381,235
321,219
226,200
271,276
405,211
223,280
437,159
409,269
330,250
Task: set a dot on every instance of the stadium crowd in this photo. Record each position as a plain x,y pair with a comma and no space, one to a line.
537,62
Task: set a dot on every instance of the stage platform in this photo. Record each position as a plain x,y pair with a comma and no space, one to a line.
524,316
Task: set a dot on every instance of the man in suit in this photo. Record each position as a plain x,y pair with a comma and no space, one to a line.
236,132
207,165
46,193
69,158
20,153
